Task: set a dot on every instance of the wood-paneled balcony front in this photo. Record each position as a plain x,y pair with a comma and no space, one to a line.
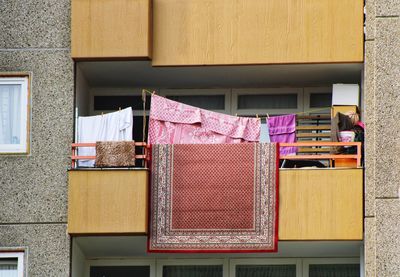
314,203
218,32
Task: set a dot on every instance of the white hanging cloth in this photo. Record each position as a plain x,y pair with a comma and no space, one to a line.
116,126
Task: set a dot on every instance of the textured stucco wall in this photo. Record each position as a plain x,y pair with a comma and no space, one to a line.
35,37
382,111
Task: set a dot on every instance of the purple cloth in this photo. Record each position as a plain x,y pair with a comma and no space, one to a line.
282,128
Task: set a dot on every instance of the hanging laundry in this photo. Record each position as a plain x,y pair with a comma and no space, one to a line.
172,122
264,134
282,128
116,126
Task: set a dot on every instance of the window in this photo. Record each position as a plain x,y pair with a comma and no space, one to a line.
318,100
331,267
192,267
120,267
14,114
267,100
265,267
217,100
11,264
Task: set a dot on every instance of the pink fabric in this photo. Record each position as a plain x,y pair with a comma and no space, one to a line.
173,122
283,129
361,124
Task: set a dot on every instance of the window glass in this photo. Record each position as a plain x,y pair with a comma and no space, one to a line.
192,271
266,271
11,264
267,101
209,102
119,271
320,100
14,118
334,270
10,114
8,268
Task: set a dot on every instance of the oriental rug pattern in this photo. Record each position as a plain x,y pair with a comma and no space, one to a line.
214,198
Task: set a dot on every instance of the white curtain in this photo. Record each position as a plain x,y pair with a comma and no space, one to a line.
8,270
10,114
266,271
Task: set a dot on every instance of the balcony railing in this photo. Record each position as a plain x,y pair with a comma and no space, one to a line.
325,145
354,158
143,149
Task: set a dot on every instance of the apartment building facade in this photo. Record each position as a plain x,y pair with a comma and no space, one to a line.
72,58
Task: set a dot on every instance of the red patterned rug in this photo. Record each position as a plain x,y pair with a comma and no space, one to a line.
214,198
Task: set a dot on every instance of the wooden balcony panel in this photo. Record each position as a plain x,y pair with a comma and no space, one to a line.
107,202
321,204
226,32
105,29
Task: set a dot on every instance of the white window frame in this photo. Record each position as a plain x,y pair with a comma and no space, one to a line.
14,255
223,261
22,147
121,262
265,91
310,261
265,261
203,92
307,94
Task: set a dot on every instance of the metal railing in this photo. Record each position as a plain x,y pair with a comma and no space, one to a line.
331,157
143,149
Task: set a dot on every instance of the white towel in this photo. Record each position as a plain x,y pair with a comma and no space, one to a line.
116,126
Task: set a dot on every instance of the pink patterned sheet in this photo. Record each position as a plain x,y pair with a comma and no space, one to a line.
172,122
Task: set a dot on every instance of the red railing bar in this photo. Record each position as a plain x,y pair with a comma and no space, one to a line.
317,157
83,157
94,157
93,144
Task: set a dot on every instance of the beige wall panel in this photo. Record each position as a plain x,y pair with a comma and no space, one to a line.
108,202
214,32
321,204
104,29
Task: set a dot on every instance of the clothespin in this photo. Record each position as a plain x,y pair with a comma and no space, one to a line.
119,108
102,113
154,92
235,114
257,116
267,116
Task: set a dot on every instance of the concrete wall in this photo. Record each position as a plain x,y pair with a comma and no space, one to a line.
382,110
35,37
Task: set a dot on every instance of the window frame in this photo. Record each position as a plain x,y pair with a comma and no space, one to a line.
20,260
121,262
266,261
312,261
24,145
176,261
236,92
